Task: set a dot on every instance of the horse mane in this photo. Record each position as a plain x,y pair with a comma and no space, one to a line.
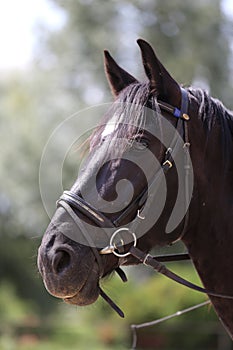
212,112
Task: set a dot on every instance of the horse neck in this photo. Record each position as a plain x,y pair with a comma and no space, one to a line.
209,240
212,202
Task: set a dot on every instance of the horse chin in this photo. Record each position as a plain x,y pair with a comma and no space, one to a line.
89,292
72,290
86,296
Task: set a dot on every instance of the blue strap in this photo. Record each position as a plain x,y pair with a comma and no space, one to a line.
184,105
177,112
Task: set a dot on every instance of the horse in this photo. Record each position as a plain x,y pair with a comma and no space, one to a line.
162,151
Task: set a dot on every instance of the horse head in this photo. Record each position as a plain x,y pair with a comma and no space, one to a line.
128,187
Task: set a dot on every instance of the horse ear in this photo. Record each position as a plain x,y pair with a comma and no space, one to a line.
117,77
161,83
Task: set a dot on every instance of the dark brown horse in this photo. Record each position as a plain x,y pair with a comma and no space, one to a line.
161,146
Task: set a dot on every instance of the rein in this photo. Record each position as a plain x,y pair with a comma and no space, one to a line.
155,263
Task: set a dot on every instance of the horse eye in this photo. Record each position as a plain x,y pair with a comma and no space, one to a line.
139,144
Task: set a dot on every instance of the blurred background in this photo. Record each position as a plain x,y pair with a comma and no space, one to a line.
51,67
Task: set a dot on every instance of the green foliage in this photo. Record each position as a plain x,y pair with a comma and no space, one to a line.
181,31
12,308
143,298
97,326
184,32
18,269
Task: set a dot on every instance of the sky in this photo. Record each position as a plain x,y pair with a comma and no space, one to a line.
18,23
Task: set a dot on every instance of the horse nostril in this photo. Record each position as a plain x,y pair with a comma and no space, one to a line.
61,261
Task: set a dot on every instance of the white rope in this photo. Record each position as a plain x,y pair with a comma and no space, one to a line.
134,327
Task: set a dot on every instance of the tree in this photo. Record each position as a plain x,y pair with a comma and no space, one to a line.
181,32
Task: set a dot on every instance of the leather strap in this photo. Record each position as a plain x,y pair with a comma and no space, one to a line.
148,260
184,102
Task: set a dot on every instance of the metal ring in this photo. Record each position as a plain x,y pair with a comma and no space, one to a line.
112,243
186,145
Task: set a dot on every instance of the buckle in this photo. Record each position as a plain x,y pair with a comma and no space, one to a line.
167,163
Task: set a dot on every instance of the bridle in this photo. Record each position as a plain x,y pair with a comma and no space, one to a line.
95,216
70,201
